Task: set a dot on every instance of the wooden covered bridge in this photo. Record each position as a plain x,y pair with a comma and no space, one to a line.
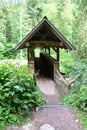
44,36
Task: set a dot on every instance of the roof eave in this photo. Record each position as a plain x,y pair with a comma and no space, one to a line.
21,43
62,38
53,29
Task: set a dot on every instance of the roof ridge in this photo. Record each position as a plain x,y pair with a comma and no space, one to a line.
52,28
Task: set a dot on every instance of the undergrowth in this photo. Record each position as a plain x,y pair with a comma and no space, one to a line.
83,119
18,94
77,95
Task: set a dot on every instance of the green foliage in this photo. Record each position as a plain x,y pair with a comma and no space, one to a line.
66,61
80,28
83,119
18,93
17,18
34,11
79,68
78,98
78,95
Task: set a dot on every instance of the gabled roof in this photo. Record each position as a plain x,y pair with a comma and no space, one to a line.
55,36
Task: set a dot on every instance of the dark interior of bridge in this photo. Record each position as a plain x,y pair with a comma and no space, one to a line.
44,66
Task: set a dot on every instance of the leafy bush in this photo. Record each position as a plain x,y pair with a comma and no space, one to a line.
66,61
78,95
18,93
83,119
78,98
79,68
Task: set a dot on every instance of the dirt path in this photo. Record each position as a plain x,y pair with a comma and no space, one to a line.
48,91
58,116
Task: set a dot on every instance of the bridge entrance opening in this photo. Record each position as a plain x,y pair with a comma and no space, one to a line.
42,66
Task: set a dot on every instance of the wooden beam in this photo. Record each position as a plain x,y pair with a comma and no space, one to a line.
45,50
57,54
32,55
47,43
58,58
28,56
55,49
49,50
69,83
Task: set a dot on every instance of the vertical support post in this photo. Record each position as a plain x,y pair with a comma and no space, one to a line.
58,55
32,55
45,50
30,63
28,56
49,50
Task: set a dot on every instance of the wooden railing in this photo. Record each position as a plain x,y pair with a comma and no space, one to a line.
60,83
63,85
49,65
72,82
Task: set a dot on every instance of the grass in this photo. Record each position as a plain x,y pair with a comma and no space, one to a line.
83,119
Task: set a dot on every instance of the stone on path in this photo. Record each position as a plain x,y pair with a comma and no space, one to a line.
46,127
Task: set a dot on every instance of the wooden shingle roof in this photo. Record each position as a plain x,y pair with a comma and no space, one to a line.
43,35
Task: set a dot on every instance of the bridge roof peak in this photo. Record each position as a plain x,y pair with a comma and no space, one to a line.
43,35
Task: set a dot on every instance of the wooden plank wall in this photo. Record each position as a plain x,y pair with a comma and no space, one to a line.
60,83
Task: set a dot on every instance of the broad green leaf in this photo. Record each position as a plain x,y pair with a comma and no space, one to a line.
17,100
1,109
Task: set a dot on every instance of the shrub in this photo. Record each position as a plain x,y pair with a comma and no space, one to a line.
66,61
79,68
78,98
78,95
18,93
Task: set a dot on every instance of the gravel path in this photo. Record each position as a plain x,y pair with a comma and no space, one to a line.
52,116
58,116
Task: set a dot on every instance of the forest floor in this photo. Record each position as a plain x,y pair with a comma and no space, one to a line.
52,116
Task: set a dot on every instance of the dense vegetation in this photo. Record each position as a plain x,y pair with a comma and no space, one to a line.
77,95
18,94
17,18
